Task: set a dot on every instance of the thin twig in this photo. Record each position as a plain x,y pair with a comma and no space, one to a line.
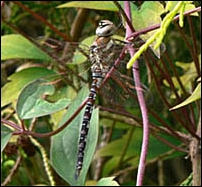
12,171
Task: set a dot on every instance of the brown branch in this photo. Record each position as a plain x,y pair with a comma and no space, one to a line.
78,24
40,18
195,153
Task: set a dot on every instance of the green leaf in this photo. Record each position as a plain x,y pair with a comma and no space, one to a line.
107,181
31,104
96,5
190,74
188,181
64,147
188,77
193,97
17,81
6,134
113,149
147,15
16,46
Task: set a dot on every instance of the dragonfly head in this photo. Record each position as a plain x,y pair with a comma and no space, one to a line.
105,28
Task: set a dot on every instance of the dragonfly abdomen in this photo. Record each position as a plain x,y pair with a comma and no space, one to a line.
86,123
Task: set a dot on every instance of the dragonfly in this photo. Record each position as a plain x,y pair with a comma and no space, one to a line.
101,54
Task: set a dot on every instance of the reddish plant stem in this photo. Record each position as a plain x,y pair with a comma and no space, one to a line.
48,134
142,103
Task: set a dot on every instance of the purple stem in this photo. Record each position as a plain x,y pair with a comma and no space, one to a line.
143,108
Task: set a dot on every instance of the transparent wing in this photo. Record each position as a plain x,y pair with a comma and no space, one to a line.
65,52
120,89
